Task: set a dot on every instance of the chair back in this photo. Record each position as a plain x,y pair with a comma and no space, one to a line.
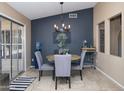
82,59
62,65
39,59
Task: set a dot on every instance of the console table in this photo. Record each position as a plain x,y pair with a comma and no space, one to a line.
90,58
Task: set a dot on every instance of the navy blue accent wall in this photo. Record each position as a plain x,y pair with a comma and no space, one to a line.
81,29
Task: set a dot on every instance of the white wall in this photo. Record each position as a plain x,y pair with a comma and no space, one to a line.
111,65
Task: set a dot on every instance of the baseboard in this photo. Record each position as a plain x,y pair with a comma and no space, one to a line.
110,78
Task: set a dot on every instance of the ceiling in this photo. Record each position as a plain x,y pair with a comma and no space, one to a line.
34,10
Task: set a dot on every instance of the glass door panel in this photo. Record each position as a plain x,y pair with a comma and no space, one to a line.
5,46
14,50
14,60
20,48
17,49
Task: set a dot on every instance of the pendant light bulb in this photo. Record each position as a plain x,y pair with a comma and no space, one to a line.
63,25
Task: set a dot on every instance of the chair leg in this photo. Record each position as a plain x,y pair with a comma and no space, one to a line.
53,75
69,82
66,80
39,75
56,84
94,67
81,74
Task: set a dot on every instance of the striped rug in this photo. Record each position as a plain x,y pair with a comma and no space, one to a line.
21,83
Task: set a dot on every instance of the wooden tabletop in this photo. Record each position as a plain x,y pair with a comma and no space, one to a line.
89,49
74,58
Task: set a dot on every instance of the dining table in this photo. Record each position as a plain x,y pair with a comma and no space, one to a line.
74,58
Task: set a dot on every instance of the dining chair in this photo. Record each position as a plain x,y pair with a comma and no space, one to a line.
62,67
80,66
41,65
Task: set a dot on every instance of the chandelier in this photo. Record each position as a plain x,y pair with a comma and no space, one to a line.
63,27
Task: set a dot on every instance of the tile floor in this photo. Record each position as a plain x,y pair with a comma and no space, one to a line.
93,80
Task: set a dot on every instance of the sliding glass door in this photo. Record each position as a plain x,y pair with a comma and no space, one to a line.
11,46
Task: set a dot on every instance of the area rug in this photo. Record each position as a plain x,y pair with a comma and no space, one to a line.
21,83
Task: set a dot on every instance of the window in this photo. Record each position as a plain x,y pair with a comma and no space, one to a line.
115,35
101,37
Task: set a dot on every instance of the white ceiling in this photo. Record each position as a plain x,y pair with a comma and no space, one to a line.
34,10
